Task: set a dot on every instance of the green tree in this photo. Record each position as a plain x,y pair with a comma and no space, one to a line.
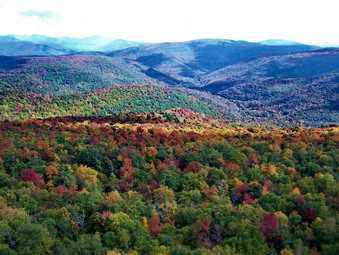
64,178
247,240
57,222
325,231
171,179
88,245
270,202
190,181
310,169
127,234
29,203
33,239
89,201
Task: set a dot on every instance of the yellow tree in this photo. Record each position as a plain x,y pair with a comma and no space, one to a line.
86,176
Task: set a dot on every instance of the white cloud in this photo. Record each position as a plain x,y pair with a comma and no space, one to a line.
308,21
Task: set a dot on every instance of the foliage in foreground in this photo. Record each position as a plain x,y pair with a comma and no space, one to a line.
150,186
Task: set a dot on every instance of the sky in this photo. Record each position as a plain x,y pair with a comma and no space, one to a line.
306,21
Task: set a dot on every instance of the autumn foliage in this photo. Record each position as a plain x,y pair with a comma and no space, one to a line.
155,184
31,176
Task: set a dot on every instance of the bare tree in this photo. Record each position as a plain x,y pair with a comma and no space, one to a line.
80,219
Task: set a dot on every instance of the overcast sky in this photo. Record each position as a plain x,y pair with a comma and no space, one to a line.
306,21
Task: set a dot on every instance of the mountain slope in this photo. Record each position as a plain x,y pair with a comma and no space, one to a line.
291,66
186,61
115,100
301,86
69,74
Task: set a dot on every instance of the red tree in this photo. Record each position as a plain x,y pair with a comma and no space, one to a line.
201,232
269,226
309,215
193,166
239,193
31,176
300,201
154,226
154,185
60,189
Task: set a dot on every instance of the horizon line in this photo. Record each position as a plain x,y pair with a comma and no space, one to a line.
332,44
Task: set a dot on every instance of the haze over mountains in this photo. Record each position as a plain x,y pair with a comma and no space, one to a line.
11,46
41,45
275,81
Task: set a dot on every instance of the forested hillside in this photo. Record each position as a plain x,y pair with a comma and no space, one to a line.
68,74
118,99
301,86
149,184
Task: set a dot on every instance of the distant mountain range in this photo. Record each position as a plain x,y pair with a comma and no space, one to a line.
41,45
280,42
275,81
10,46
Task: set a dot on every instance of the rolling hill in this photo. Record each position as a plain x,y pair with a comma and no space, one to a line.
114,100
279,85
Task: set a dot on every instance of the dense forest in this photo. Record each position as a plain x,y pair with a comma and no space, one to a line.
15,105
165,183
68,74
19,105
